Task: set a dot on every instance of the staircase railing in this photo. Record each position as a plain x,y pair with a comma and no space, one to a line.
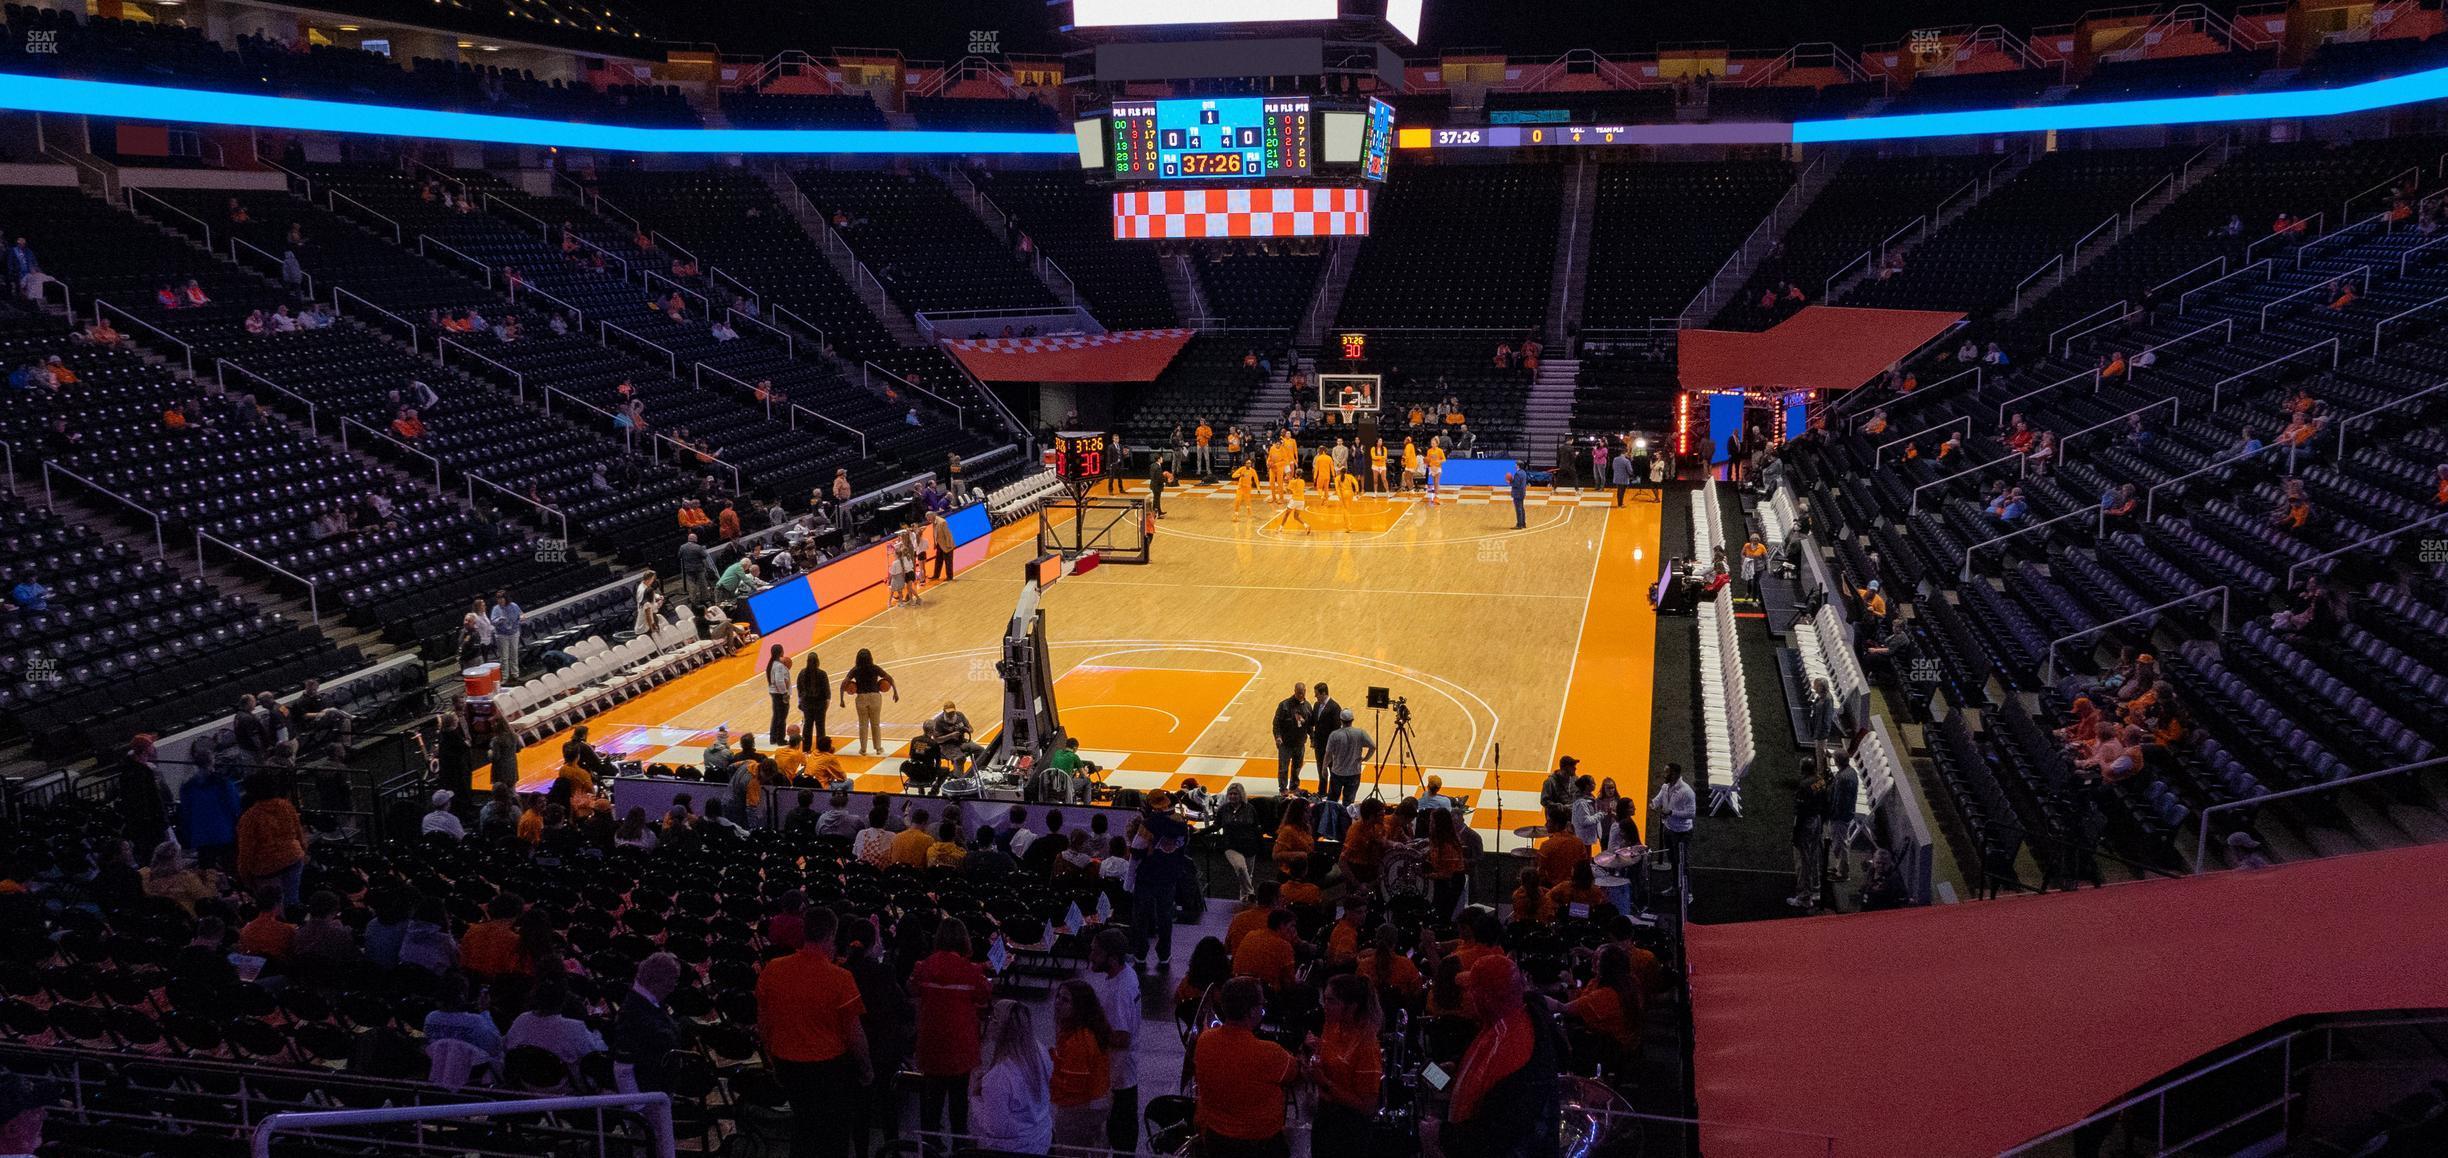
314,598
2048,662
2218,389
237,242
2299,231
160,541
2054,265
2184,303
2112,314
333,197
960,414
778,310
346,422
2220,262
2407,312
2304,250
133,192
2386,186
492,202
426,241
222,367
1738,264
605,330
339,292
185,349
2348,422
2363,270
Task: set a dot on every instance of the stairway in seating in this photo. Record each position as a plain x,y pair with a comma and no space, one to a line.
1571,278
1989,184
1266,404
895,319
1182,287
997,221
1341,255
1547,415
2135,218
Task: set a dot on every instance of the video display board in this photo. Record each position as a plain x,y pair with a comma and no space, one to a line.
1191,139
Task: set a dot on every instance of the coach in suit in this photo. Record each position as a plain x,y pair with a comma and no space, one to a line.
1324,720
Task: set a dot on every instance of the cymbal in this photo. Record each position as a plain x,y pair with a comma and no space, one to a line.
1531,831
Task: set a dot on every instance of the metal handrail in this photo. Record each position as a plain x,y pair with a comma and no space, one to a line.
423,239
443,344
2077,376
314,601
2201,846
654,1107
1827,289
2173,402
2301,230
651,277
2380,219
1879,459
2391,404
778,310
2218,388
338,292
2346,207
2048,663
333,197
132,190
661,241
2115,224
2158,1094
754,298
1965,574
2408,255
221,368
461,182
794,410
346,422
2021,459
2220,262
514,283
2135,206
2115,312
2151,496
867,369
1976,372
2184,301
292,174
626,270
2056,263
2365,270
160,541
2133,370
473,479
2406,312
604,331
236,241
99,305
543,229
1920,223
790,344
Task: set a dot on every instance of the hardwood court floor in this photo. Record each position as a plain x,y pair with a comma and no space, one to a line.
1512,647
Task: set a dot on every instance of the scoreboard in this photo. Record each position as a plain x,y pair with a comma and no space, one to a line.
1082,457
1234,138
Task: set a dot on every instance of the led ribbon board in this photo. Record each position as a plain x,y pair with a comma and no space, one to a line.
42,94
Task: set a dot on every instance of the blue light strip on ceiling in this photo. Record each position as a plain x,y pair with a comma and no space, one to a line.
2409,89
42,94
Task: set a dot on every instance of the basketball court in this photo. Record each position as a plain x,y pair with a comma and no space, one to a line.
1511,647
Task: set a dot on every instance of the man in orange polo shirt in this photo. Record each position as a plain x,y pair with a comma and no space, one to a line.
1268,953
1241,1080
808,1012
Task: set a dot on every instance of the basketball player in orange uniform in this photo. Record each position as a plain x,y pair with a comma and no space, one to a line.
1245,487
1436,466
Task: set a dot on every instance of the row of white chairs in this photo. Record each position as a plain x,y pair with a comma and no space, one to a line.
1725,705
1014,499
1707,537
606,674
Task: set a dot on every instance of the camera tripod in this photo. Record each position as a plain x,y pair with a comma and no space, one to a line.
1398,752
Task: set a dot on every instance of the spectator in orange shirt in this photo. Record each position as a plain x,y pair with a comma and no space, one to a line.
267,936
1293,840
1269,954
1266,898
1240,1099
728,523
808,1017
1581,888
1298,889
490,947
1610,1005
1530,899
1081,1087
271,838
